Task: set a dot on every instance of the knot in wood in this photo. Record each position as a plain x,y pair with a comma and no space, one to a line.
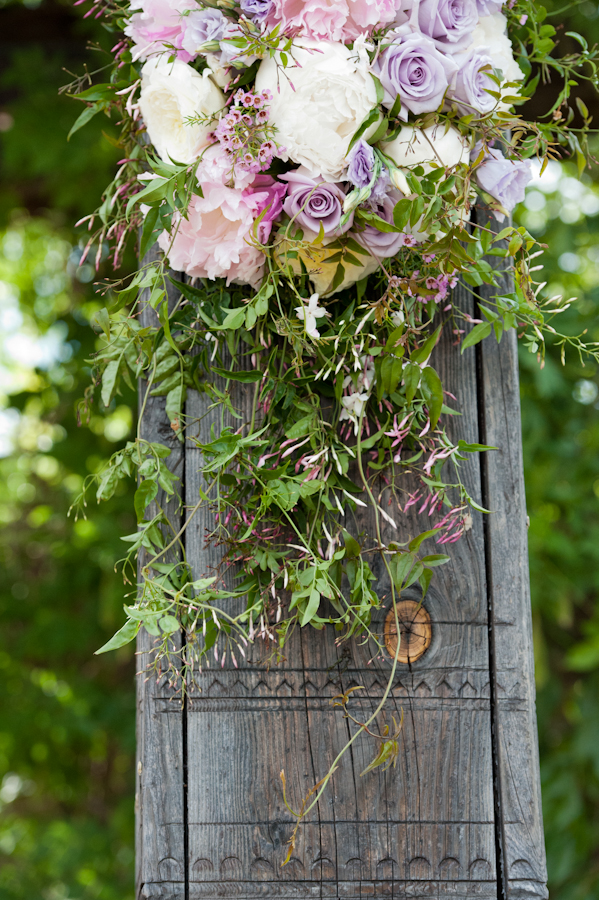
415,630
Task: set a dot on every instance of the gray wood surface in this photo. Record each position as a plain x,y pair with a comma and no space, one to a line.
519,788
455,818
159,799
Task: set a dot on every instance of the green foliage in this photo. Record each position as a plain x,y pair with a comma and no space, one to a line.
67,733
560,417
67,717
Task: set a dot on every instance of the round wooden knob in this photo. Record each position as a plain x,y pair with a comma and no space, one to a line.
415,630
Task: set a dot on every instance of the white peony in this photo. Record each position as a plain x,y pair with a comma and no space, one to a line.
429,148
318,104
491,35
171,94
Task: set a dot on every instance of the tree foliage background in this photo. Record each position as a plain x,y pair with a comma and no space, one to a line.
66,717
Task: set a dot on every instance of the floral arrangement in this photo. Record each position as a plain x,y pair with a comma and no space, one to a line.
316,171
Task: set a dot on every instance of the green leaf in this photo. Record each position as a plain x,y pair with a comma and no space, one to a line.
235,318
411,377
417,541
169,624
247,377
352,548
88,113
435,559
174,402
386,757
145,493
425,580
369,120
103,320
433,391
109,381
299,429
478,333
423,353
401,213
147,233
311,608
123,636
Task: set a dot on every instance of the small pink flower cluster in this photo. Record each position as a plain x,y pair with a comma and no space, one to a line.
241,132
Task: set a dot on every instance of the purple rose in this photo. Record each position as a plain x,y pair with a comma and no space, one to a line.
488,7
448,22
312,202
413,68
470,86
202,26
380,189
257,10
382,244
504,179
361,164
272,201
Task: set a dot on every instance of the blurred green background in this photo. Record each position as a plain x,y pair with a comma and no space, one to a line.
67,717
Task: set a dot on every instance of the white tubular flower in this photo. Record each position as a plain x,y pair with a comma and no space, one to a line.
309,313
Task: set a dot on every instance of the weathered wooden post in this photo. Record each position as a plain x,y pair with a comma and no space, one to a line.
460,815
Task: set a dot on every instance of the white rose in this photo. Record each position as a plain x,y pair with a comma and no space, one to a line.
491,34
172,93
429,148
318,104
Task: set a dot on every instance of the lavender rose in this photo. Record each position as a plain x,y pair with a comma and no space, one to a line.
382,244
471,85
312,202
203,26
413,68
504,179
448,22
257,10
488,7
361,164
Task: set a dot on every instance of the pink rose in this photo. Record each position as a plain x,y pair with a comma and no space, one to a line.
159,23
269,194
215,241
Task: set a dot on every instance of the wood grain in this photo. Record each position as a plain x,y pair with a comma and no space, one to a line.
160,821
509,599
427,828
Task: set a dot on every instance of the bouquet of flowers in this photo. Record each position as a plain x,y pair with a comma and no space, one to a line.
307,124
316,169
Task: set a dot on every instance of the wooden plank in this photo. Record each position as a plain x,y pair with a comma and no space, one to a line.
424,829
519,790
160,859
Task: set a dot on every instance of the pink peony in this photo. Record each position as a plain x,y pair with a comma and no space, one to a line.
333,20
159,24
216,239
